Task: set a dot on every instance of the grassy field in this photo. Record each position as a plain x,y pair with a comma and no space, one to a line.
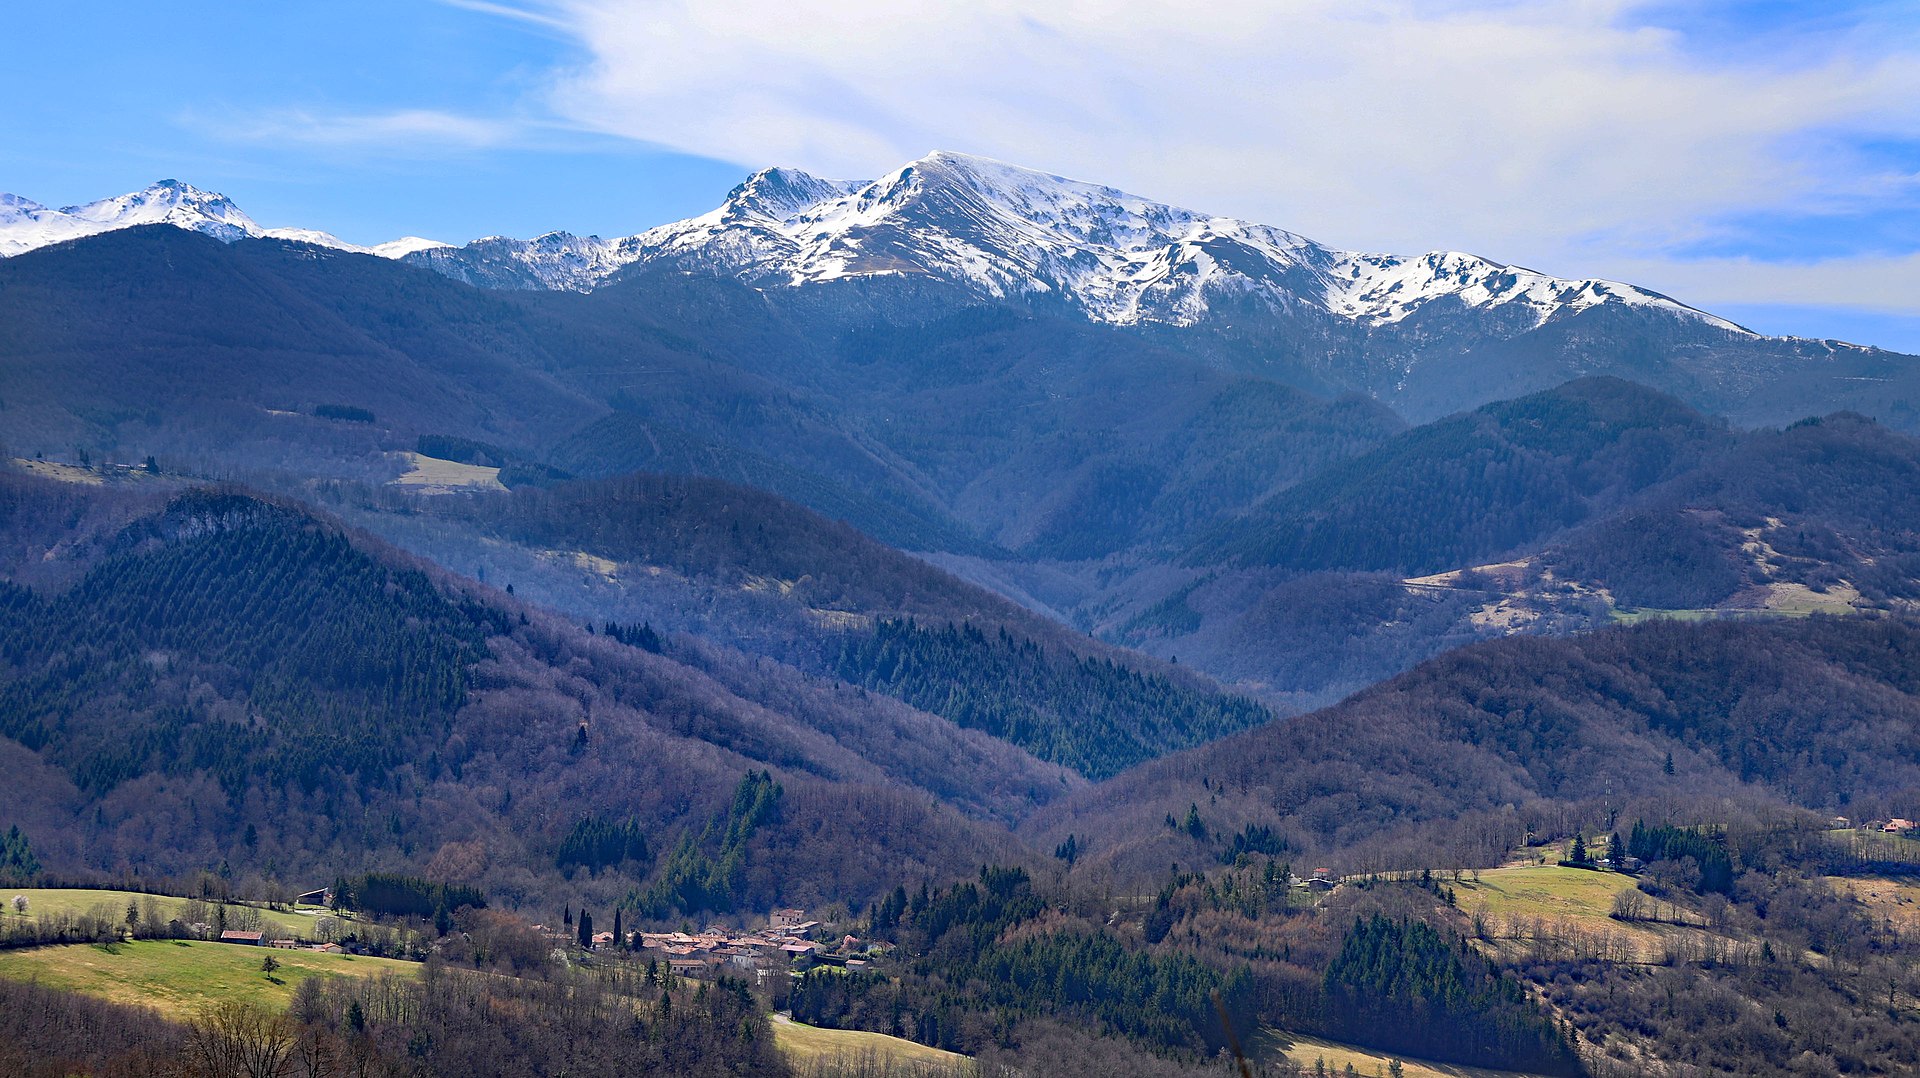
803,1046
435,475
1542,891
1574,897
1305,1050
1895,902
1785,600
41,901
178,977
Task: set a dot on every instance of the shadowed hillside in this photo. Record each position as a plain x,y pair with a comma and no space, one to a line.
1473,750
232,665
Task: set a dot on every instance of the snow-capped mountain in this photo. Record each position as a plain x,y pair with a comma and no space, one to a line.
1006,231
993,229
26,224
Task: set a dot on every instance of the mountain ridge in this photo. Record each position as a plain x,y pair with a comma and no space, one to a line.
1000,230
26,225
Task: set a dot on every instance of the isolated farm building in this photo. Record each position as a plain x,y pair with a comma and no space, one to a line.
250,939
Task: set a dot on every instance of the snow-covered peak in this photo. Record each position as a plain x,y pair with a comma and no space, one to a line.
168,202
781,193
15,208
26,224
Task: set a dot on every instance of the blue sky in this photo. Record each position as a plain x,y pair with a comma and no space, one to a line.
1758,159
228,96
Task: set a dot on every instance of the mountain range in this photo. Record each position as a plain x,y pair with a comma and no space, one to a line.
1000,230
1020,572
1428,334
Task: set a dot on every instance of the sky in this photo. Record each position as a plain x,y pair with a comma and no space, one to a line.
1756,158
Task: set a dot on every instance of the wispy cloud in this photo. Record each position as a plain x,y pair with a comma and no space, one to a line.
403,131
510,11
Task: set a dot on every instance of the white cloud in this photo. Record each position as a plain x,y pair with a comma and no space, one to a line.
1532,131
403,130
1877,283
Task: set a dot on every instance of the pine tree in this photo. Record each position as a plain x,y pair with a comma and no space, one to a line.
1616,853
1578,855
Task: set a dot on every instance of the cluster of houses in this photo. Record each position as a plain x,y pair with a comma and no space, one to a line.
784,944
1895,826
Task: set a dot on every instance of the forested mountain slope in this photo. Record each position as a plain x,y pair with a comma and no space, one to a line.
158,340
739,568
1470,488
1829,503
1472,750
270,692
1559,511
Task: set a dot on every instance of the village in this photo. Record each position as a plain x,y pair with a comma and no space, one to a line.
783,944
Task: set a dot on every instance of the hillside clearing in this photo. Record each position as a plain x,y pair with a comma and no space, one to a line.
1890,901
431,475
1305,1050
804,1046
179,977
1508,901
